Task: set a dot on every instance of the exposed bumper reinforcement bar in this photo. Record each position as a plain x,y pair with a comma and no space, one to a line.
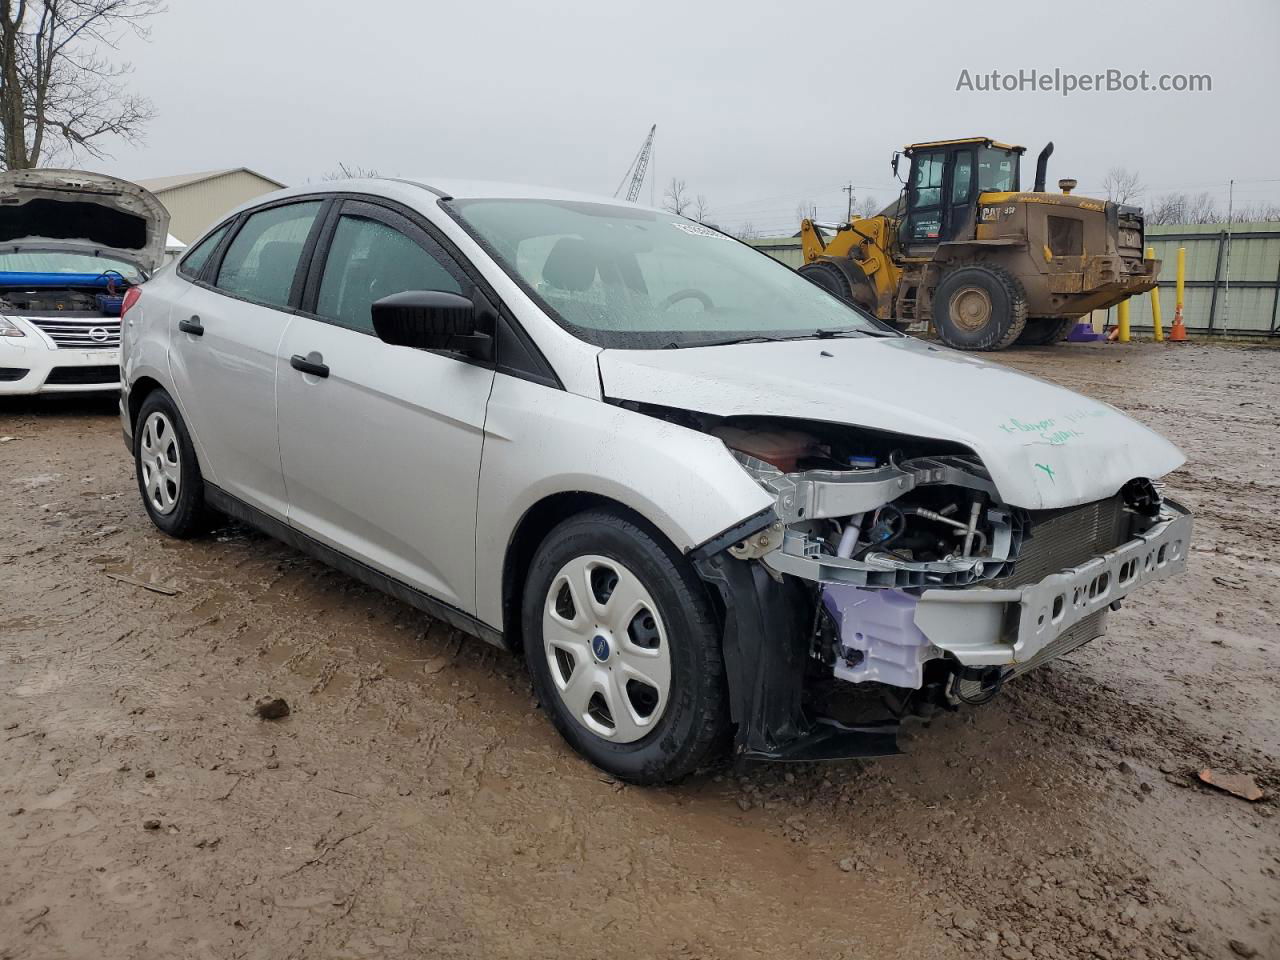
985,627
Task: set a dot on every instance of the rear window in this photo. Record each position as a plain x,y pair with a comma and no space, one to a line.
193,263
262,259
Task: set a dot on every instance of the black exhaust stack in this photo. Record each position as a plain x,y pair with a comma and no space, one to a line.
1042,166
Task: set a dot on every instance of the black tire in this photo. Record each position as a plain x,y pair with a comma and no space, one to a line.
695,719
188,515
1041,331
996,327
846,282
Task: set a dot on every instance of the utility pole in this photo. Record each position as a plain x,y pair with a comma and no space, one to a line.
848,188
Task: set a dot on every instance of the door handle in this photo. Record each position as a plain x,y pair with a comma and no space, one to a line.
192,326
307,365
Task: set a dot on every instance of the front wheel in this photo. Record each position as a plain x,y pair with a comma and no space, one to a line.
980,307
168,474
624,649
843,279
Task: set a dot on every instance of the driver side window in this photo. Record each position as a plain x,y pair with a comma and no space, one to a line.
369,260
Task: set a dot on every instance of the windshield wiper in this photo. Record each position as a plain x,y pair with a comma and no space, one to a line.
673,345
823,334
855,332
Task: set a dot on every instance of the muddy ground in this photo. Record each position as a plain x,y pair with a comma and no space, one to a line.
416,802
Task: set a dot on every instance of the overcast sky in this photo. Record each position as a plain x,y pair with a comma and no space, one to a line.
759,105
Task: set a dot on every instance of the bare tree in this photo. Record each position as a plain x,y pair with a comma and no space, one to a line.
701,208
1122,185
868,206
676,198
1169,208
62,90
350,172
808,210
747,232
1258,213
1203,209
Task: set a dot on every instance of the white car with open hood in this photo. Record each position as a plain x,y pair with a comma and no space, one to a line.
704,497
73,248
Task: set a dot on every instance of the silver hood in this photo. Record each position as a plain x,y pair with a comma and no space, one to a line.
1043,445
81,212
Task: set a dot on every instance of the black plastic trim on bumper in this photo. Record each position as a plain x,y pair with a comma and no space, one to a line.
766,639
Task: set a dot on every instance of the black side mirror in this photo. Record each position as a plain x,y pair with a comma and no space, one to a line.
894,163
433,320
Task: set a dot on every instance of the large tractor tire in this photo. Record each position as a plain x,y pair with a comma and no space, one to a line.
979,307
1041,331
842,279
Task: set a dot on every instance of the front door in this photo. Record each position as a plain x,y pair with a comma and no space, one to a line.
380,445
223,348
940,198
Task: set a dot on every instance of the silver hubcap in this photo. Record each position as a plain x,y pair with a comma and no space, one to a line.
606,648
161,463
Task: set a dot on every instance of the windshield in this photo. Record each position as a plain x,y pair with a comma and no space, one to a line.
57,262
632,278
998,170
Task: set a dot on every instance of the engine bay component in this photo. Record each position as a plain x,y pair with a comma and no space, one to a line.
782,449
853,526
876,637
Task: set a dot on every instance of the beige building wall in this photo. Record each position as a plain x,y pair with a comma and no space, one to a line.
194,207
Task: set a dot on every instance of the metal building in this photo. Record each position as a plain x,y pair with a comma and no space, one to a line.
196,201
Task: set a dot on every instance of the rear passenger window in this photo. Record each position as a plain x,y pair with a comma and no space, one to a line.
193,263
262,259
369,260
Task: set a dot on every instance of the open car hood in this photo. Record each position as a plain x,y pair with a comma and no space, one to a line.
1043,445
81,212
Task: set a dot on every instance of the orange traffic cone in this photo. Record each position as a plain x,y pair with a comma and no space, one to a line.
1179,332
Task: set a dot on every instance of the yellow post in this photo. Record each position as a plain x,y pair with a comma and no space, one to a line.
1182,276
1179,332
1122,320
1157,328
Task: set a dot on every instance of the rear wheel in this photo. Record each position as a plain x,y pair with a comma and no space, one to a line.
624,649
168,474
1040,331
979,308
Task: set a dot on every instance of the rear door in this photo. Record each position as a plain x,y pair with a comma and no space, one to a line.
223,348
381,445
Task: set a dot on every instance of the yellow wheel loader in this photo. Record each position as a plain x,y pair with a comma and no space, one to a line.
985,262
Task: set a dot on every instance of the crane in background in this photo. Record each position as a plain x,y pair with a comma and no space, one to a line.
637,169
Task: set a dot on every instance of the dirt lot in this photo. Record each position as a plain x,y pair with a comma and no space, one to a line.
416,803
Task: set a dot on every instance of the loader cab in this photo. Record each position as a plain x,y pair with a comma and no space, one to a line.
943,185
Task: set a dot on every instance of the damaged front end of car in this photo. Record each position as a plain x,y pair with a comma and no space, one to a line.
889,567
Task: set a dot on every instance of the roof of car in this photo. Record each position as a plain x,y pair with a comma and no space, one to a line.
459,189
442,187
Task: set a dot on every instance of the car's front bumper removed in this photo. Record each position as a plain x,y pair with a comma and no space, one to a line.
769,630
